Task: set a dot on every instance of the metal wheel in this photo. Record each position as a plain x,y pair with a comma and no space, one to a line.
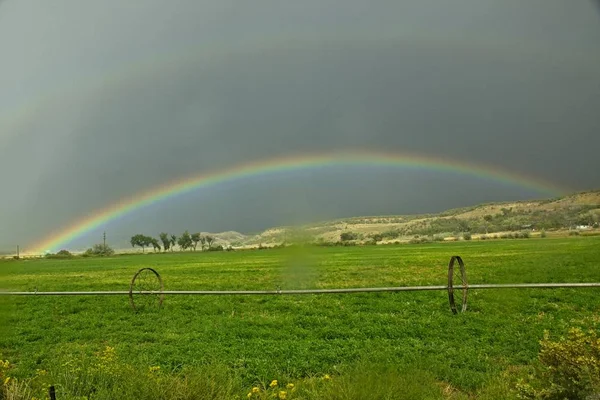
462,275
146,290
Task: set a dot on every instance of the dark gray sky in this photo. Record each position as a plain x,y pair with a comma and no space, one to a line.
102,100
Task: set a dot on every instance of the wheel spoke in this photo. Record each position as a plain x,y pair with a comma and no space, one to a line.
457,284
145,291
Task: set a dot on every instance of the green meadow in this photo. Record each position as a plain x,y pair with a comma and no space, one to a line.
334,346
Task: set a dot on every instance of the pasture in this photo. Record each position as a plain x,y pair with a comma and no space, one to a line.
255,339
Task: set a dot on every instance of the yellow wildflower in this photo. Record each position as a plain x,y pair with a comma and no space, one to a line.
282,394
249,394
255,389
273,383
6,380
326,377
154,369
290,386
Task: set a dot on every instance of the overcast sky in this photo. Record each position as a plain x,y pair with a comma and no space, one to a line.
102,100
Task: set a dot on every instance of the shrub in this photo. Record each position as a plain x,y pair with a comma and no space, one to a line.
438,238
392,234
525,234
99,250
377,237
568,368
543,234
346,236
60,254
216,248
573,233
419,240
467,236
483,237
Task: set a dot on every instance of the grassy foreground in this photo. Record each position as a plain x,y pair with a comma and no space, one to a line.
384,345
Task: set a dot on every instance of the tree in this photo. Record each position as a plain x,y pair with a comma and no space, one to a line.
155,244
185,241
203,241
173,242
164,238
209,240
141,241
488,218
195,240
463,226
134,241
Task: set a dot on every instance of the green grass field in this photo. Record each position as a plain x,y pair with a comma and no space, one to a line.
254,339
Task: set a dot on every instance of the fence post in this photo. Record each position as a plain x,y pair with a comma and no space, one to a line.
52,393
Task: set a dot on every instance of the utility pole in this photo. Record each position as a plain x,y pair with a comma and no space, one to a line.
104,239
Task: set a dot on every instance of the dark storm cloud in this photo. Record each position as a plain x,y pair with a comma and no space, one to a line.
136,97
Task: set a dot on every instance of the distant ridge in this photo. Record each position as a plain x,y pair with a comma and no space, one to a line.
576,212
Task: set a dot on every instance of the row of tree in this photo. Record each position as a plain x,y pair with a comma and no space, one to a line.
185,241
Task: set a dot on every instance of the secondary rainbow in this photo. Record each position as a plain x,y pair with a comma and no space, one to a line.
98,218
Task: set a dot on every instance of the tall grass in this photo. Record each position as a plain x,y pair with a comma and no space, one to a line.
106,377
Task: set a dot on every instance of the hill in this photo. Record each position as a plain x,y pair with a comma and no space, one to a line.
579,211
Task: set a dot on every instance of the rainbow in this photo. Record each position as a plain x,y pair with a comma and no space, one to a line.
191,183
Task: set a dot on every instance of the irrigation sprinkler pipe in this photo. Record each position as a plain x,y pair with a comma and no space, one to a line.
140,288
315,291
